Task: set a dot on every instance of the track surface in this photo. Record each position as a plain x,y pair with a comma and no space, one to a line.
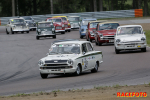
20,53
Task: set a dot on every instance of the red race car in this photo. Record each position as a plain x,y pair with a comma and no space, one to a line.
105,32
58,23
91,29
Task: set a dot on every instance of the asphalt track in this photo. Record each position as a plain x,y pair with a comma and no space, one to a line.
19,72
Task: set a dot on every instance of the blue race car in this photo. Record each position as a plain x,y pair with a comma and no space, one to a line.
83,26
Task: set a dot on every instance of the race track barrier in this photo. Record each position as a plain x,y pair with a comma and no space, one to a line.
97,15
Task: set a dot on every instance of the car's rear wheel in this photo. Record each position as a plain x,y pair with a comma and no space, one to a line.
78,70
117,51
12,31
69,30
43,75
7,32
37,37
27,31
95,68
143,49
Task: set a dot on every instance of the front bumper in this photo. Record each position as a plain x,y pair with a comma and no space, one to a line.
32,27
57,31
20,30
67,28
46,35
57,71
130,46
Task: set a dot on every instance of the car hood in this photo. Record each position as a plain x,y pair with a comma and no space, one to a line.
29,21
20,24
45,28
135,37
60,57
57,24
74,21
108,32
84,27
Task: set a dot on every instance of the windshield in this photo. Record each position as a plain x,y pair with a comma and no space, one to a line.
93,25
108,26
64,18
17,21
45,25
65,49
27,18
85,22
54,20
129,30
74,19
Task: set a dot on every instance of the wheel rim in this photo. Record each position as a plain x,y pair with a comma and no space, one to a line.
78,70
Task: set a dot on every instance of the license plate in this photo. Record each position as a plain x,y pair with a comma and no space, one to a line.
138,46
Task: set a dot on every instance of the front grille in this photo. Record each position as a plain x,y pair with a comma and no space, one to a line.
55,64
58,27
56,61
46,32
61,67
108,37
131,42
66,25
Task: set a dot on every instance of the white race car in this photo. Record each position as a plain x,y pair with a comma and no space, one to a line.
70,57
130,37
17,25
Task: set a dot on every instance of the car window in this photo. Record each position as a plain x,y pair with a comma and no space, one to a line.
129,30
93,25
89,47
84,49
108,26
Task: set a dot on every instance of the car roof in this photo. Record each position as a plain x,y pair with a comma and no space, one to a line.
64,40
89,19
73,16
45,22
72,42
108,22
59,16
16,18
130,26
98,21
55,18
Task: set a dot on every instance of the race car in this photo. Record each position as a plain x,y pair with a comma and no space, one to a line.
130,37
105,32
58,23
17,25
91,29
70,57
83,27
45,29
66,22
74,21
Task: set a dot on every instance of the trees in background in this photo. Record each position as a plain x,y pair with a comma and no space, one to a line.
38,7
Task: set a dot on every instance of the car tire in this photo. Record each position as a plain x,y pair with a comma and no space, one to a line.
22,32
27,31
43,75
90,39
143,49
69,30
37,37
12,32
95,68
99,44
81,37
117,51
62,32
54,36
78,70
7,32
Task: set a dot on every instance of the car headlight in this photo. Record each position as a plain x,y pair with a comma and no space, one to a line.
82,29
39,30
70,62
53,29
118,40
91,32
101,35
41,63
62,25
143,39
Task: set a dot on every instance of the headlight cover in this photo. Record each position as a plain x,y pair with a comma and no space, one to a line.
118,40
70,62
53,29
143,39
101,35
41,63
82,30
39,30
63,25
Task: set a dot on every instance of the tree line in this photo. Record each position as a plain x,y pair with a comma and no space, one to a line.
41,7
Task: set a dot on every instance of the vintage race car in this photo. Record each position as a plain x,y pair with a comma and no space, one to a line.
66,22
70,57
30,21
45,29
105,32
90,31
83,27
130,37
74,21
58,23
17,25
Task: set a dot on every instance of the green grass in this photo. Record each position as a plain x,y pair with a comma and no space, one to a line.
147,33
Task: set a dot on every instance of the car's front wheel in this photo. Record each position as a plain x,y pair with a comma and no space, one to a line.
78,70
43,75
143,49
12,31
37,37
7,32
95,68
54,36
81,37
27,31
117,51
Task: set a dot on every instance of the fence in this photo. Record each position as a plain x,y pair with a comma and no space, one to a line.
98,15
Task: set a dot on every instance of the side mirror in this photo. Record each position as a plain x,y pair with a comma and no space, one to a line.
83,53
47,54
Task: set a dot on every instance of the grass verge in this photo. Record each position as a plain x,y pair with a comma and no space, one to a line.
147,33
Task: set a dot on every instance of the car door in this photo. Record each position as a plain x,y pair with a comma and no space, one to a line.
85,61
